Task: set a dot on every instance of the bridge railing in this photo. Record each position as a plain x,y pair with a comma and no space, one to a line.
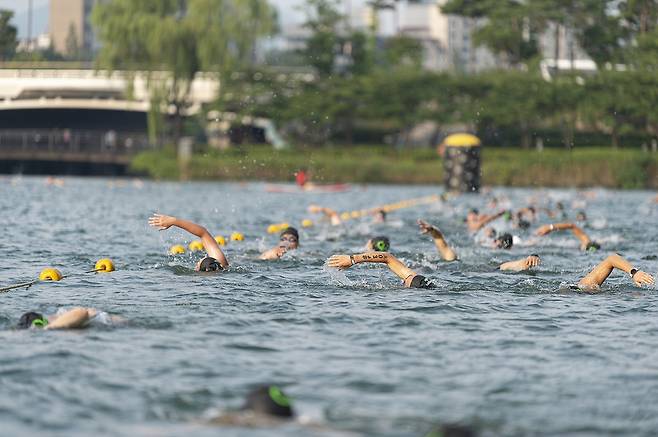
68,141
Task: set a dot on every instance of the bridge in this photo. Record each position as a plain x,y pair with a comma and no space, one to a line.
79,152
80,121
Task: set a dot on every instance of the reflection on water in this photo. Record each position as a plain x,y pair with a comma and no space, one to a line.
513,354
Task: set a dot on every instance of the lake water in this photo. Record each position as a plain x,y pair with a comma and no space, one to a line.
508,353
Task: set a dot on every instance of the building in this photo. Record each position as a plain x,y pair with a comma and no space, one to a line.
446,38
70,27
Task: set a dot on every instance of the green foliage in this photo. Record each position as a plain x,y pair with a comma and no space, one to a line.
172,40
375,164
322,20
8,40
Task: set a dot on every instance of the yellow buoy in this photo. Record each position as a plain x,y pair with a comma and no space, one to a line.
307,223
345,216
220,240
104,265
195,246
461,140
272,229
237,236
50,274
176,249
355,214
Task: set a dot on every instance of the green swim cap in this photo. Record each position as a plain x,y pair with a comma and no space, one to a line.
592,246
278,397
40,323
381,244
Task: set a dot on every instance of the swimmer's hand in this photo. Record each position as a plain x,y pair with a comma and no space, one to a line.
161,221
532,261
426,228
544,230
641,278
314,208
521,265
340,261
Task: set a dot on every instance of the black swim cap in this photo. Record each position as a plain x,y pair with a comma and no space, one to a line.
209,264
474,211
27,319
420,281
524,224
592,246
505,241
290,231
269,399
381,244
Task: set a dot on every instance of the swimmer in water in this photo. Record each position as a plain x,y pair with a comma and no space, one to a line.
288,240
503,241
410,279
476,221
442,246
378,244
215,259
379,216
265,406
332,215
75,318
586,243
594,279
522,264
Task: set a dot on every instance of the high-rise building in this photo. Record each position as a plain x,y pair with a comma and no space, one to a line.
70,26
446,39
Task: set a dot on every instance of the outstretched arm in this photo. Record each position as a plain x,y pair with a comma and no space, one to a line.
439,241
601,272
521,264
163,222
75,318
396,266
273,253
577,232
484,220
330,213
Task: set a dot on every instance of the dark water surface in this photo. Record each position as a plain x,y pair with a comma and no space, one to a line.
511,354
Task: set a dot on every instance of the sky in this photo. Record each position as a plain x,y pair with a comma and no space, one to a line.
289,13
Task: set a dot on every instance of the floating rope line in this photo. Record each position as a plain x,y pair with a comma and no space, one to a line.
51,274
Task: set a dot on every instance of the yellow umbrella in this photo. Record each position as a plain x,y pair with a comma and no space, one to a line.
461,140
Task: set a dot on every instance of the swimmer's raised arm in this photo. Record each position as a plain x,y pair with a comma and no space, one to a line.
439,241
75,318
601,272
396,266
582,237
484,220
521,264
211,246
330,213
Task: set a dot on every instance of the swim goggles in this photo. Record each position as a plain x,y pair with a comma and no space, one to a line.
381,246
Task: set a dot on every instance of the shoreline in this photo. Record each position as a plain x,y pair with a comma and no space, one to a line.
511,167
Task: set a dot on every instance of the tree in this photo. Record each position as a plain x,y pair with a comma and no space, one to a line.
323,21
72,43
172,40
8,40
508,27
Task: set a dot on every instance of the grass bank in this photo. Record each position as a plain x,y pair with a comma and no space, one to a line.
622,168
